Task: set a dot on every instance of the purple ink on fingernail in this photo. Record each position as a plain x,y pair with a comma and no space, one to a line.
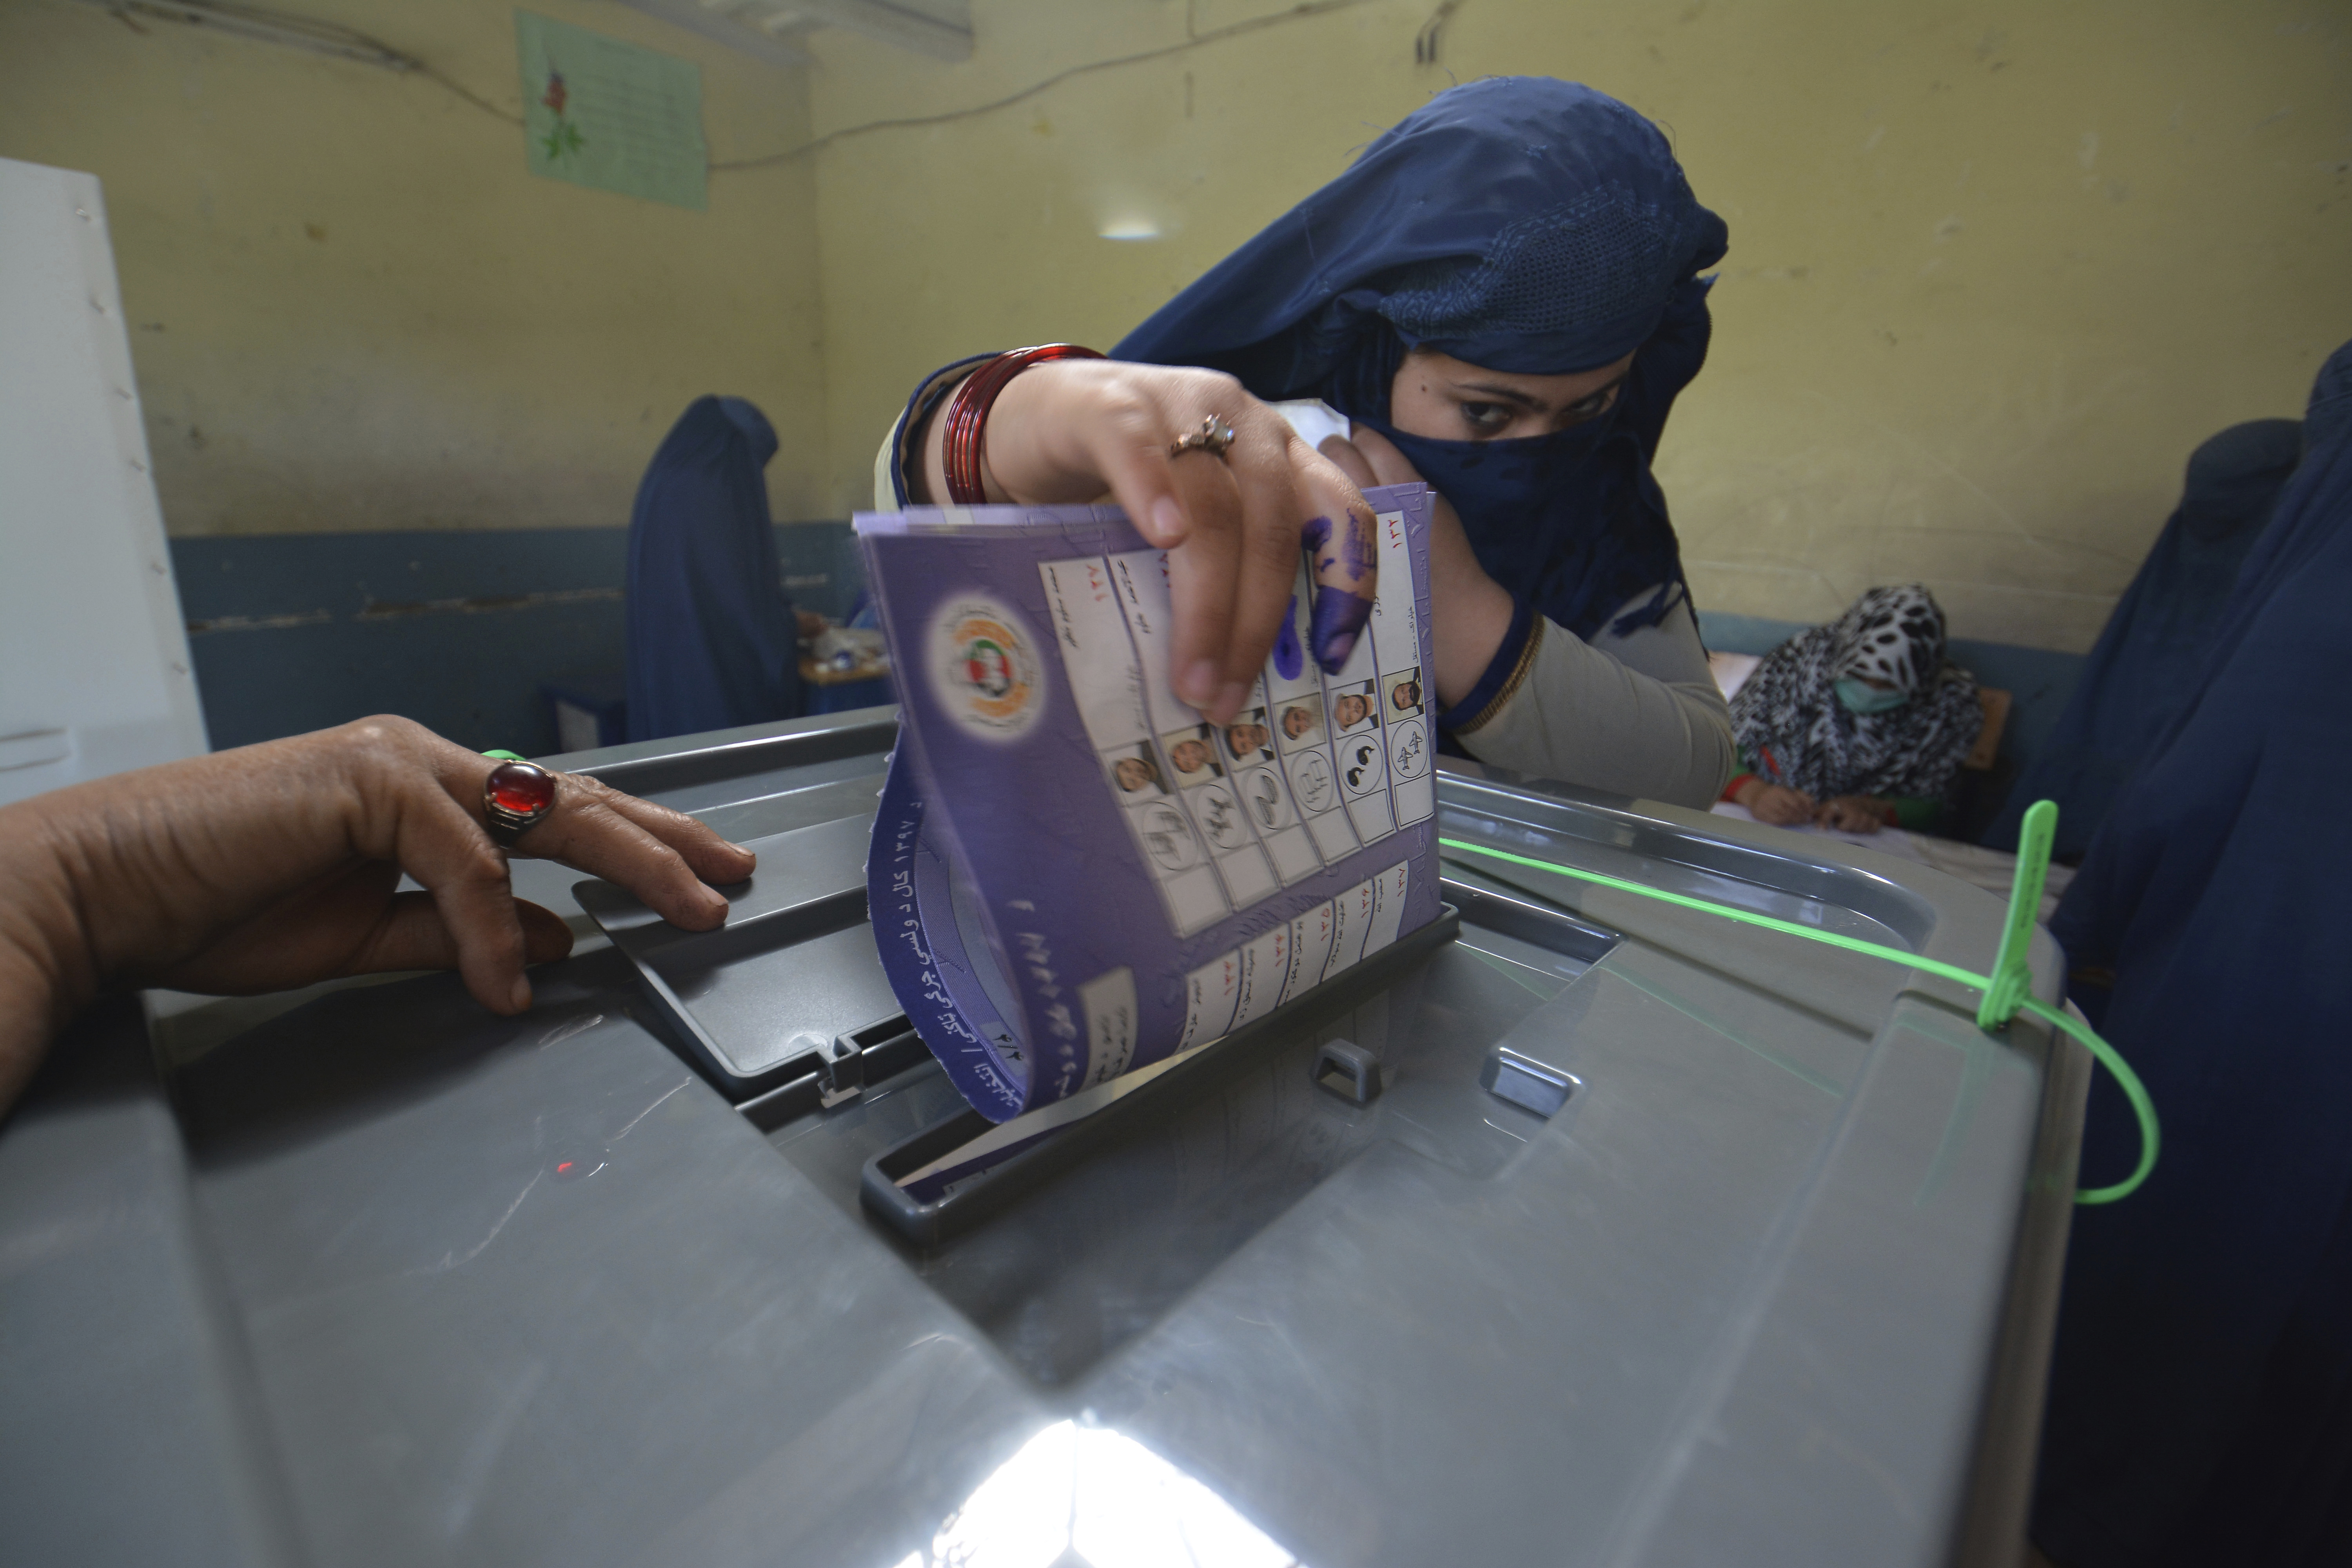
1289,659
1338,616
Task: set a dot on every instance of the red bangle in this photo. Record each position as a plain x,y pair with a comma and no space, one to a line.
967,413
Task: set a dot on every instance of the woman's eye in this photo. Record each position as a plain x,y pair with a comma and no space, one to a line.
1486,416
1593,407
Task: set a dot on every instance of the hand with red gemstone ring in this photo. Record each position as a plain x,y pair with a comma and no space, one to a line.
1231,521
275,866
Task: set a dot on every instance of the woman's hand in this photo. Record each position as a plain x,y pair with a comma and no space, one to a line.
1469,612
1077,430
1851,814
1776,803
275,866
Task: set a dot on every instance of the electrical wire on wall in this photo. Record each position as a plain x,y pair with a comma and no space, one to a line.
264,26
1214,36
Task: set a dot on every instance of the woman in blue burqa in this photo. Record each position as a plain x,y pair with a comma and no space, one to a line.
1501,296
2200,1389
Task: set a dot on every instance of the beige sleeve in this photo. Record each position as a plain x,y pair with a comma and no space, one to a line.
886,489
885,492
1637,715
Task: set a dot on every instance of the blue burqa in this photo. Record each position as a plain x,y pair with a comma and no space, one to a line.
1522,225
712,642
2153,648
2201,1395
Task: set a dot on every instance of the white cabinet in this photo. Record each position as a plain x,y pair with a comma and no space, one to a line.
94,670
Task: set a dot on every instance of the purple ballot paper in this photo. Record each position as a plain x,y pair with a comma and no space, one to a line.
1074,875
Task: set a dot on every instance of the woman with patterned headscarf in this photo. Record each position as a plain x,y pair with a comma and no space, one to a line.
1857,723
1502,297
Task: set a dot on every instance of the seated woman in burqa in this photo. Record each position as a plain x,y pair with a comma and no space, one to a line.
1858,724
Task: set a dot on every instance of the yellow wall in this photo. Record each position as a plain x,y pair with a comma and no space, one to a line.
1995,267
353,308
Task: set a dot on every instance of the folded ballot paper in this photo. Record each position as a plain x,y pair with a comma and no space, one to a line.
1074,878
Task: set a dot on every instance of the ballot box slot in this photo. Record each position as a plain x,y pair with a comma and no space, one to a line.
1069,1245
1090,1242
908,1189
926,1220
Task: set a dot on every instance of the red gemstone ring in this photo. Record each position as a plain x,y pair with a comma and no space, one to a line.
515,798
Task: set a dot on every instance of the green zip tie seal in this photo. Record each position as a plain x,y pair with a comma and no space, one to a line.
2012,976
2005,990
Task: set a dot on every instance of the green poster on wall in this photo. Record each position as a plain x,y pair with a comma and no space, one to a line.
597,112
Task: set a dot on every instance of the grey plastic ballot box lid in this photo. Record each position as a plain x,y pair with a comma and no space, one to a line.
364,1275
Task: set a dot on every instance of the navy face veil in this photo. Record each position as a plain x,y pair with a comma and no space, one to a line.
1521,225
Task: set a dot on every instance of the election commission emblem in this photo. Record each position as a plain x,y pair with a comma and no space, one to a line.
984,665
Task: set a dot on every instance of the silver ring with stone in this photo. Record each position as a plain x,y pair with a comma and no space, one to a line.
516,798
1214,436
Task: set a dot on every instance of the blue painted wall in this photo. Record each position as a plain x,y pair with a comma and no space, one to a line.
456,630
459,630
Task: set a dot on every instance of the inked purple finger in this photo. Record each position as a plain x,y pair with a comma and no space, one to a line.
1315,536
1340,618
1289,659
1345,575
